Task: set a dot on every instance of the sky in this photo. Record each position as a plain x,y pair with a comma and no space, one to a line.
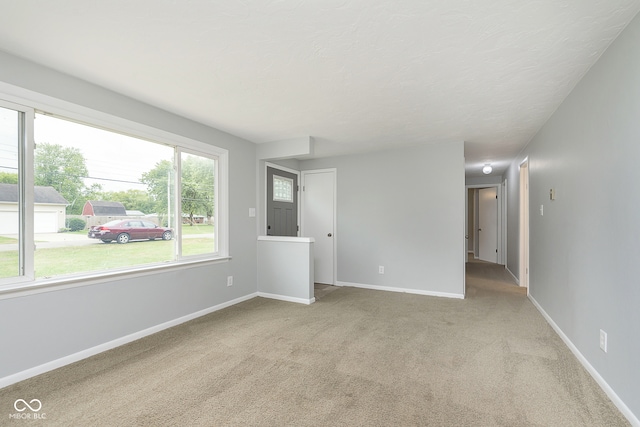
114,161
8,138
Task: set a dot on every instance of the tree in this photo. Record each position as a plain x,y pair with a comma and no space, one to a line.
62,168
158,181
197,192
8,178
137,200
197,186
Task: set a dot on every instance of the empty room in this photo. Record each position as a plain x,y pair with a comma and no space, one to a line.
312,213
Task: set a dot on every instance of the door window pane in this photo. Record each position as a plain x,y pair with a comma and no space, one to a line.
197,194
10,201
282,189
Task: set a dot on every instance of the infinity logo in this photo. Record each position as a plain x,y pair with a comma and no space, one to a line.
26,405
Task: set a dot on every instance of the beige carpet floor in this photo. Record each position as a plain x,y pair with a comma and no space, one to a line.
354,358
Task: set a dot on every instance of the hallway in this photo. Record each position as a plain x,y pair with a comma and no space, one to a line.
485,276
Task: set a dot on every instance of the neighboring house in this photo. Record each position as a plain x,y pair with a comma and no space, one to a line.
135,213
49,209
101,208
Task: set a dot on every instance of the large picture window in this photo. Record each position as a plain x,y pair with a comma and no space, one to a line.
96,200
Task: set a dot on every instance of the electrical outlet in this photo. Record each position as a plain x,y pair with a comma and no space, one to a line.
229,280
603,340
381,269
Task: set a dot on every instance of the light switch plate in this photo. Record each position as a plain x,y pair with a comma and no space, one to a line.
603,340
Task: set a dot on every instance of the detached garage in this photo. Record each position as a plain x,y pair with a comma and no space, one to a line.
49,209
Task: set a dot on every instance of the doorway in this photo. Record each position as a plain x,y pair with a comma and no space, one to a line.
282,202
494,238
319,221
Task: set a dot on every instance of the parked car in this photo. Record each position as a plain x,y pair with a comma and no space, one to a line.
129,229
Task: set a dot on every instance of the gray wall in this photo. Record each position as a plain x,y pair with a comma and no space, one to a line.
584,251
484,180
403,209
41,328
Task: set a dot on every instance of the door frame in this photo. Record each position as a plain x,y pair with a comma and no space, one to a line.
502,221
266,183
524,267
334,171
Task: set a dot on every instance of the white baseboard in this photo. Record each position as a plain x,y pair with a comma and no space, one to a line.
286,298
512,275
63,361
631,417
405,290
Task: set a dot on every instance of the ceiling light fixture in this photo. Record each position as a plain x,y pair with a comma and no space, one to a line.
487,169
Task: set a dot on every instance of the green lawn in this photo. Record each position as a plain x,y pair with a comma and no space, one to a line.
80,259
197,229
7,240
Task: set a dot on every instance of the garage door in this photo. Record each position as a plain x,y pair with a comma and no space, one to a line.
8,222
45,222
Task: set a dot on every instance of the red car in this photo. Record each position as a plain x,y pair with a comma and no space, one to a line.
129,229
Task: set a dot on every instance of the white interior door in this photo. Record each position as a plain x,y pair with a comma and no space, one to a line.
488,224
318,220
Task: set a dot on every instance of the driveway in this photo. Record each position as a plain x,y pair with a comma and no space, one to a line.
53,240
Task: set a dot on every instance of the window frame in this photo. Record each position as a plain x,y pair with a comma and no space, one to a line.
29,103
25,198
178,184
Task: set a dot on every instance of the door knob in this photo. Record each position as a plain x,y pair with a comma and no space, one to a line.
329,235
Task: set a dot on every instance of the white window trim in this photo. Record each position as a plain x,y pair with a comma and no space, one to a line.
28,101
25,180
216,210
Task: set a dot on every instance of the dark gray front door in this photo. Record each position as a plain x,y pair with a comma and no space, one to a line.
282,203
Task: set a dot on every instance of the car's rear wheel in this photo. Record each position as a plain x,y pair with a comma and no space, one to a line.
123,238
106,240
167,235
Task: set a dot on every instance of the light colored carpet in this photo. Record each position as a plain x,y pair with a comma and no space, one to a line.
354,358
321,290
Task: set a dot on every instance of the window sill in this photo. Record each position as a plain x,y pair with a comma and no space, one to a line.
55,284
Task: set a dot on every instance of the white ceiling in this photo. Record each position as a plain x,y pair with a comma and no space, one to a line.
357,75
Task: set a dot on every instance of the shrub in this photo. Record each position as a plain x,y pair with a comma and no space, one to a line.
75,224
